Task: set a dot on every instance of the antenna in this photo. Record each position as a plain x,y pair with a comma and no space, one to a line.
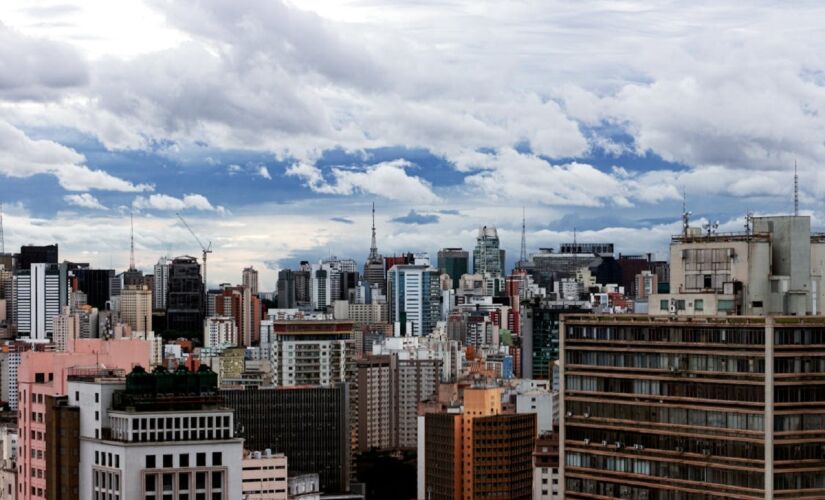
522,262
795,189
685,214
132,242
374,246
574,236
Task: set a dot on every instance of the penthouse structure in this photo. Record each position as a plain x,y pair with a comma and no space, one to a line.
689,407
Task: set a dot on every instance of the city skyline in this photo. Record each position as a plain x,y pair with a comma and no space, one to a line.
448,116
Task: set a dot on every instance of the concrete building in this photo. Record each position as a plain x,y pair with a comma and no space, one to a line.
467,451
361,314
239,303
185,297
540,325
647,284
311,352
95,284
310,425
37,300
304,487
546,476
286,289
155,435
66,328
44,374
160,286
249,279
136,307
775,267
8,459
717,407
220,331
264,476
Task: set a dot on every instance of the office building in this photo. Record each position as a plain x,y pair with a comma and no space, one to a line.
310,425
185,297
286,289
66,328
710,407
414,297
479,452
136,307
549,266
161,435
62,452
488,258
775,267
546,476
453,262
37,300
36,254
264,476
239,303
540,334
160,287
44,374
303,276
95,284
249,279
312,352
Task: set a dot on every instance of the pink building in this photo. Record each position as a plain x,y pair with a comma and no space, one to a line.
44,374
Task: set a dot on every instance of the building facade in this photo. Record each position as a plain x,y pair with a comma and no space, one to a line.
185,297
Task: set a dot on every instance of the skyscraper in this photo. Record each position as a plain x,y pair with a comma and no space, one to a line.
286,289
136,307
487,256
250,279
37,300
161,285
454,262
374,272
35,254
184,301
95,284
414,296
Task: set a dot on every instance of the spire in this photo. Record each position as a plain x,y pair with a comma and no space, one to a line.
374,246
522,261
132,242
795,189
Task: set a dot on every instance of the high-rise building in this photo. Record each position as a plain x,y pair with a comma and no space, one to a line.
310,425
453,262
375,399
136,307
303,276
37,300
488,258
34,254
540,334
161,284
220,331
66,330
465,453
546,477
264,476
374,271
250,279
43,374
549,266
312,352
184,299
238,302
286,289
711,407
414,296
158,435
341,275
95,284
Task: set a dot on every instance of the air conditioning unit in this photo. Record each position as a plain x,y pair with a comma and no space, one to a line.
619,445
706,452
604,442
679,449
569,413
639,447
586,415
586,441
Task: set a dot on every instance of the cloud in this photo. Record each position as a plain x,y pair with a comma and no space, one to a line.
388,179
165,202
342,220
416,218
264,172
84,200
38,69
21,156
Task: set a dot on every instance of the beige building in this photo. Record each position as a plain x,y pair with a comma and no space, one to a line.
775,267
250,279
264,476
136,307
361,314
220,331
66,327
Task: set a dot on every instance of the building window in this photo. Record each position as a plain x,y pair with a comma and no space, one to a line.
664,305
217,458
150,461
167,461
183,460
699,305
97,397
200,459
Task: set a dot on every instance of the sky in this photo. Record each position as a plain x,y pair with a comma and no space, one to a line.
272,126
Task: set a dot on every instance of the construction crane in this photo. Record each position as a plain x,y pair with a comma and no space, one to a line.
206,249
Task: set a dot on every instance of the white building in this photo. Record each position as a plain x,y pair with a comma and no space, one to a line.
250,279
312,352
264,476
37,299
66,328
539,402
165,449
414,296
161,285
220,331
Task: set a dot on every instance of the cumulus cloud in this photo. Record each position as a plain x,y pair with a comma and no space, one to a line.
84,200
264,172
165,202
21,156
388,179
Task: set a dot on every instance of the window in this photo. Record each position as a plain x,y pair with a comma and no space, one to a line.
183,460
97,416
725,305
216,459
97,397
77,395
167,461
664,305
699,305
150,461
756,303
200,459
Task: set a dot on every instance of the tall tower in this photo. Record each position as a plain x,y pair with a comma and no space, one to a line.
373,245
132,242
522,261
374,272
